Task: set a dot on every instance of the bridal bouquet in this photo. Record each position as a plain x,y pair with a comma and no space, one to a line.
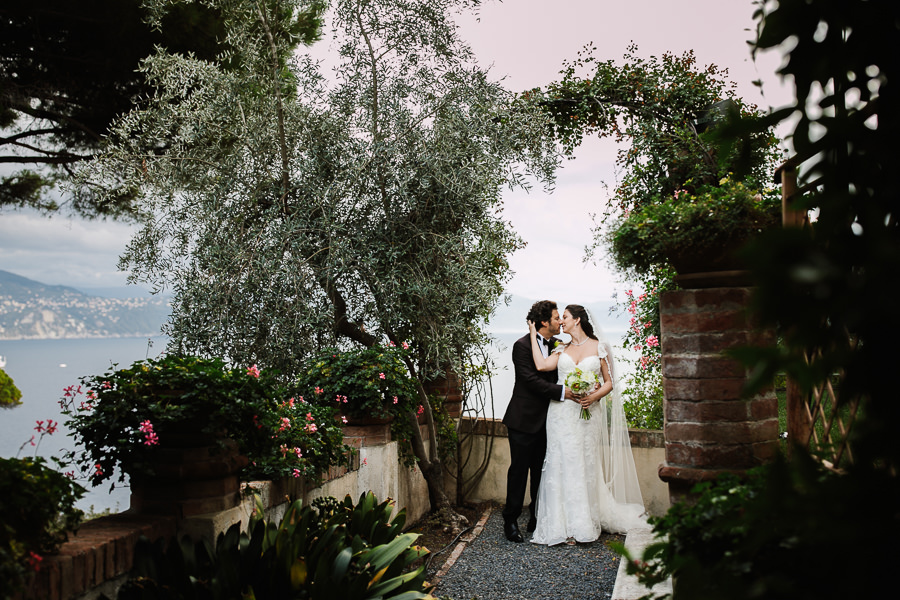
581,383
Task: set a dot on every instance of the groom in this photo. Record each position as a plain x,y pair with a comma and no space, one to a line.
526,416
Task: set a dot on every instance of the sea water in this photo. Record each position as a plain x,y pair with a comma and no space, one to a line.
41,369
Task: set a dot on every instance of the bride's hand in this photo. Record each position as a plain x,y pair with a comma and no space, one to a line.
531,328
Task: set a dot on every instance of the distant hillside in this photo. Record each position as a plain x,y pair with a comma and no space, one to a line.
33,310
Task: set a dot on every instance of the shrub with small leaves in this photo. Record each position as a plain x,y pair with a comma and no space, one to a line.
9,393
38,508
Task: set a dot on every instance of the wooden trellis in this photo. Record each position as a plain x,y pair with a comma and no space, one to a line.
815,420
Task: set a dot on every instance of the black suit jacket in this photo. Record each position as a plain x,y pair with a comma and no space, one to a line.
532,392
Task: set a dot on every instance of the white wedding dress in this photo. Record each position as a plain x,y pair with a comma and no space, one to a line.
589,482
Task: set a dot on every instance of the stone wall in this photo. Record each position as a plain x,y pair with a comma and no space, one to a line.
647,447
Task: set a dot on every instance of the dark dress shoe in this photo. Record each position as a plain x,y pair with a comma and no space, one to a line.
532,524
511,529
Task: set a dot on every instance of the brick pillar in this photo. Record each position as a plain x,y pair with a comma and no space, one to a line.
448,388
709,428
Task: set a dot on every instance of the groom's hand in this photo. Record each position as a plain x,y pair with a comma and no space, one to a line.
570,395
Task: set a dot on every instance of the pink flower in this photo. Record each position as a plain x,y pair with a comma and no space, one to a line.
365,462
381,376
343,419
310,417
636,347
421,410
106,385
303,401
647,324
150,438
652,341
91,395
98,470
34,561
253,371
284,450
391,344
296,473
395,400
319,390
285,424
298,452
405,346
70,474
311,428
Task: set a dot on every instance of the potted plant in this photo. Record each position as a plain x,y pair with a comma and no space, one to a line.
365,385
187,429
370,387
176,425
695,231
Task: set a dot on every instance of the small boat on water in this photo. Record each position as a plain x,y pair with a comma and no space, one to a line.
2,361
63,365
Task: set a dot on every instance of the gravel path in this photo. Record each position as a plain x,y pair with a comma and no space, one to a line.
492,568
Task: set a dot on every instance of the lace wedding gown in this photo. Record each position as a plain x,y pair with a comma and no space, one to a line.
589,482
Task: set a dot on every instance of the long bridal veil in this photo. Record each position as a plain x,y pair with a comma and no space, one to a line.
619,469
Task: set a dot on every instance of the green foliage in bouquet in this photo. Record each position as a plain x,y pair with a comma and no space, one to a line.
328,550
38,508
704,221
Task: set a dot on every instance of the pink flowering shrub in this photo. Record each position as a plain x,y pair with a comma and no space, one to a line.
360,383
122,417
642,388
298,439
364,383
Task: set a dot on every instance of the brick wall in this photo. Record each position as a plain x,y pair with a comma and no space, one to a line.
103,548
709,427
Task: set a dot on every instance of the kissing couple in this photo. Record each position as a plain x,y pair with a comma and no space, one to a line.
567,430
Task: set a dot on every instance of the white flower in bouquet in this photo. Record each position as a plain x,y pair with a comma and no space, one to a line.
581,383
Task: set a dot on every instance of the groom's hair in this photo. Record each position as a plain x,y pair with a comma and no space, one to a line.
541,311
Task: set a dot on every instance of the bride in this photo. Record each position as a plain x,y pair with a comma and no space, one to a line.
589,482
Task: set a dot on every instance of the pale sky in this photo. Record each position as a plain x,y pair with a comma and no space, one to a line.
525,42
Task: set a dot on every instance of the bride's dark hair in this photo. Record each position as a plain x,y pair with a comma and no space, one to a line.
578,312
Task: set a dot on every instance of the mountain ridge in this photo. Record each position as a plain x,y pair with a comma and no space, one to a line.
32,309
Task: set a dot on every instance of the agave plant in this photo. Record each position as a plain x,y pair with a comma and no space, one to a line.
328,550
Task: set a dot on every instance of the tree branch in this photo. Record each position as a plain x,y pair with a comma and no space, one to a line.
279,108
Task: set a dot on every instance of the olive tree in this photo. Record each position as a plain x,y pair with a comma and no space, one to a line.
293,208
